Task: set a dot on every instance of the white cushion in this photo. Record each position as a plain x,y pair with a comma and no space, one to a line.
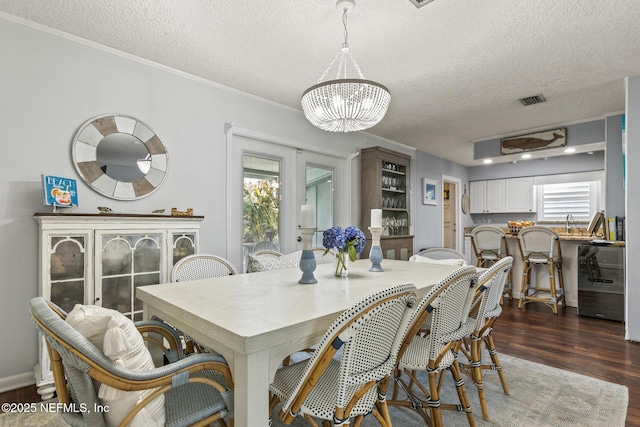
269,262
449,261
119,339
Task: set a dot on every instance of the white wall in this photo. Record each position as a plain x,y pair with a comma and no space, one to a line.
50,85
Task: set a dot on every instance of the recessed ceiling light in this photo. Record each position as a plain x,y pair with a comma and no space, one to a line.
589,152
526,156
487,161
569,150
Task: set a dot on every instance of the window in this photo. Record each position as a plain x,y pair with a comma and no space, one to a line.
576,194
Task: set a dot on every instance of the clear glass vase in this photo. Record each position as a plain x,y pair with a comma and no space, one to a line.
341,264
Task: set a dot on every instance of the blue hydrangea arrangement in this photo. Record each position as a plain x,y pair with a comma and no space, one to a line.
350,240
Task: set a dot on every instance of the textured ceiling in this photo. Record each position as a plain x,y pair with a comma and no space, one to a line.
455,68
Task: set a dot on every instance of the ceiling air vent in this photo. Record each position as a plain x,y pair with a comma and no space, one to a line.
530,100
420,3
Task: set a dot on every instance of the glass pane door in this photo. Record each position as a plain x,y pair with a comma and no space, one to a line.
319,192
261,204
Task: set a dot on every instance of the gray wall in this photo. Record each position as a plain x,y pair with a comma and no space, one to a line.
50,85
428,218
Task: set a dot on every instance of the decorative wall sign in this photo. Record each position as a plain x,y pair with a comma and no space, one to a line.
535,141
429,187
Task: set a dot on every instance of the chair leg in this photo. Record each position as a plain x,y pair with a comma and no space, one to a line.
476,369
434,400
462,392
525,281
496,362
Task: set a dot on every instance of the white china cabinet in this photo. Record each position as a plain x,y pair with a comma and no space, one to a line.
102,258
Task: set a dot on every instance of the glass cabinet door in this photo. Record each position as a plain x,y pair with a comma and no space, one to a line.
67,270
128,261
184,244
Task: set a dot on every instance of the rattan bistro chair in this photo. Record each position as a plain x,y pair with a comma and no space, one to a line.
490,245
540,246
369,335
197,390
201,266
447,305
484,314
440,254
196,267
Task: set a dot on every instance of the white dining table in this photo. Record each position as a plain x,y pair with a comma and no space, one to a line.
255,320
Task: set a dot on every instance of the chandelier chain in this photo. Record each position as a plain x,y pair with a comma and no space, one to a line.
346,33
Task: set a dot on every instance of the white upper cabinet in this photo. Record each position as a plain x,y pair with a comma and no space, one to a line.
487,196
519,195
478,196
495,195
502,195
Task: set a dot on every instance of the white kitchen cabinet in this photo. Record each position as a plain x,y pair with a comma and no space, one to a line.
101,259
502,196
478,197
487,196
519,194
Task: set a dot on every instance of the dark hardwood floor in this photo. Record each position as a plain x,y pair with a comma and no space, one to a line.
587,346
584,345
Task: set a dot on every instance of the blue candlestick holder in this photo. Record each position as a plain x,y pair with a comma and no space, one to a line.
375,254
308,259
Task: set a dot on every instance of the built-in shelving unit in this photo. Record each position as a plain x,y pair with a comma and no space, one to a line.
385,184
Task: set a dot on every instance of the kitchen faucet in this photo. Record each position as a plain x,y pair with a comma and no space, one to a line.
568,222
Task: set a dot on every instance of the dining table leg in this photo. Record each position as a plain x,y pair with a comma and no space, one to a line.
251,393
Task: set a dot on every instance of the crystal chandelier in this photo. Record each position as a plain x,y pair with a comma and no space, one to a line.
345,104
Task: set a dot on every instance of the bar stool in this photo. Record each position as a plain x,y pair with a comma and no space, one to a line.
490,245
540,246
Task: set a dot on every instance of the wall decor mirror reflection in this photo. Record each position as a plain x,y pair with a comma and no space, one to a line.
119,157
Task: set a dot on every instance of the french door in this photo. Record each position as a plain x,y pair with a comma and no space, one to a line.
268,182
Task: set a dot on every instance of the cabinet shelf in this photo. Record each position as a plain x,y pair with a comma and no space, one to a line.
391,190
392,172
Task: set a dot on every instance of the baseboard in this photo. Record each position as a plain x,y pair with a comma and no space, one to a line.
16,381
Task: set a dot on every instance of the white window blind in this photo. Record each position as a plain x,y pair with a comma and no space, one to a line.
580,199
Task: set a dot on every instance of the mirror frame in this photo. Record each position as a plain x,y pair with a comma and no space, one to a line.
84,152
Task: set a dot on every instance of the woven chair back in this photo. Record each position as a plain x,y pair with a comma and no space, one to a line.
447,306
493,280
201,266
539,240
442,253
369,335
489,238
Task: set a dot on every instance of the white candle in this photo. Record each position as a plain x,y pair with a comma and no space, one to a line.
308,216
376,217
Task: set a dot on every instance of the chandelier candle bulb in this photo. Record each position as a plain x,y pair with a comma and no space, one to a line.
308,216
376,217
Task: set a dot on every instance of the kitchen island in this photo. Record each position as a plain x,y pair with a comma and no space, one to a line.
569,246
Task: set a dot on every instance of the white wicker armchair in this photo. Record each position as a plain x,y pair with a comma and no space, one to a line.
201,266
194,389
447,305
484,314
369,335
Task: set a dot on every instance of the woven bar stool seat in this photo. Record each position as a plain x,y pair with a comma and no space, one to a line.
540,246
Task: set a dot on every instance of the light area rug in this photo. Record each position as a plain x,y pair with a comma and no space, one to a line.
540,396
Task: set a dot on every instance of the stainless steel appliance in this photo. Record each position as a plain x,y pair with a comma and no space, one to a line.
601,281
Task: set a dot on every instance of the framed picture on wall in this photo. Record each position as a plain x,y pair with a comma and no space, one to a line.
429,191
